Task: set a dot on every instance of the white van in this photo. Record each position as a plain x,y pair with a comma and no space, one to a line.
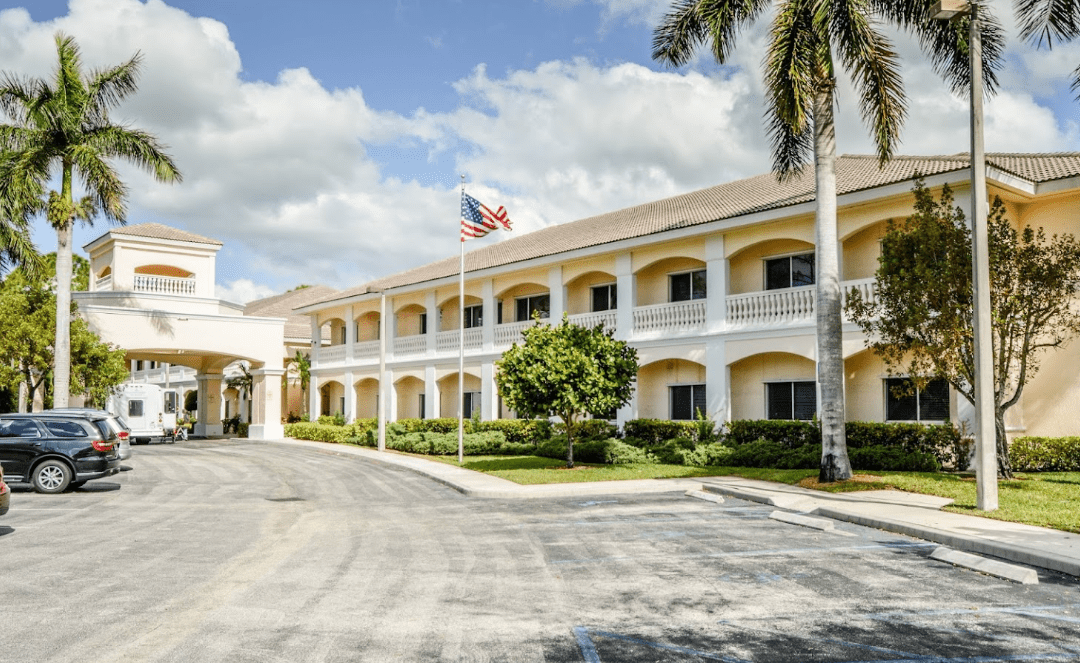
149,410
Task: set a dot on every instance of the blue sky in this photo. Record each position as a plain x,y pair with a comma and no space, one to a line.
322,141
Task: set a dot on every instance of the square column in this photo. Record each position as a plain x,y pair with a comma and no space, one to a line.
626,284
314,398
432,404
557,294
350,397
716,285
316,339
629,411
209,420
431,308
350,334
489,403
391,397
717,380
266,401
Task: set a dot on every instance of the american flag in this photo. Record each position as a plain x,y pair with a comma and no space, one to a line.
478,220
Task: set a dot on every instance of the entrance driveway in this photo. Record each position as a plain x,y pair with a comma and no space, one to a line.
235,551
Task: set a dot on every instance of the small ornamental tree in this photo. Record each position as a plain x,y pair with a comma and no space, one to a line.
568,371
921,321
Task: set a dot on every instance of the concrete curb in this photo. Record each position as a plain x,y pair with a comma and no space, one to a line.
1011,552
1020,574
805,521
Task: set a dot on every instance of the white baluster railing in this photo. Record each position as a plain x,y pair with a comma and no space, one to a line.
363,349
104,283
411,345
772,307
165,285
867,289
509,333
331,354
677,316
606,318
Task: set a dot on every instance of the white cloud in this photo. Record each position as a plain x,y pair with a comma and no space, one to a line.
283,171
242,291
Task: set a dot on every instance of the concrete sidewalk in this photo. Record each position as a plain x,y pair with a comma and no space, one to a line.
911,514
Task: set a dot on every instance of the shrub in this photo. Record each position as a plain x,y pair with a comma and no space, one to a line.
767,453
649,433
328,432
894,459
790,434
618,452
518,431
242,429
590,429
941,441
704,455
1042,454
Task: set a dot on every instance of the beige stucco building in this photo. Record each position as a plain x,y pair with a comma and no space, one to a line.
713,288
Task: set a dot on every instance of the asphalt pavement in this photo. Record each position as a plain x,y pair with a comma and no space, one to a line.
912,514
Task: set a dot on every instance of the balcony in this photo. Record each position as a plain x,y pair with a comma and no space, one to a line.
410,345
606,318
790,306
677,317
332,354
449,342
104,283
365,349
164,285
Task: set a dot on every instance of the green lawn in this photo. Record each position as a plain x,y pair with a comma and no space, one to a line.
1050,499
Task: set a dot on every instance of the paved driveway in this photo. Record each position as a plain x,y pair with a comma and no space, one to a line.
230,551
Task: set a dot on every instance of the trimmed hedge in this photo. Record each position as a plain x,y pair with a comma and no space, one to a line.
790,434
1045,454
306,430
647,433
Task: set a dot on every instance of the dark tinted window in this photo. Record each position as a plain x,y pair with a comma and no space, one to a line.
474,316
687,286
135,408
526,306
18,428
791,400
789,271
604,298
686,401
905,403
65,428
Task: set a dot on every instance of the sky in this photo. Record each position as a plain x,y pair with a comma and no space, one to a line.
323,141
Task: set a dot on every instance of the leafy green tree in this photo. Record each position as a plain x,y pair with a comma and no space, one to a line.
62,129
27,332
568,371
303,367
921,318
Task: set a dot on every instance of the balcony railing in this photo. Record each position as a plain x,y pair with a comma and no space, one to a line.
104,283
410,345
448,341
510,333
332,354
772,307
675,317
165,285
606,318
365,349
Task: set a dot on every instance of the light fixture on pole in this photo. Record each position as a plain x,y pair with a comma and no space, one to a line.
985,422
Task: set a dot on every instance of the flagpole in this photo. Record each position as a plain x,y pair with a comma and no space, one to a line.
461,343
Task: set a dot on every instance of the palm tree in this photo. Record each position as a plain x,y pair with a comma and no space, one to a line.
62,128
1044,21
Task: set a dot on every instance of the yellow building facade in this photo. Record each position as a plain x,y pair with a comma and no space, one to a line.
715,289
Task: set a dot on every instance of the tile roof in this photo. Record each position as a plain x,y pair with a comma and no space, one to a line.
159,231
281,306
725,201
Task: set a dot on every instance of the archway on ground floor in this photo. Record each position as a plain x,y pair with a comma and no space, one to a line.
448,389
410,397
230,403
670,389
331,398
773,385
367,398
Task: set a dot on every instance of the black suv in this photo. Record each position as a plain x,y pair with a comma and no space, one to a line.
55,451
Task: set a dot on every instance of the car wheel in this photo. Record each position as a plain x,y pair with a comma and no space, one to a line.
52,476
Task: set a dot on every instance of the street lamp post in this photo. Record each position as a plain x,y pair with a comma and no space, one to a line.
985,424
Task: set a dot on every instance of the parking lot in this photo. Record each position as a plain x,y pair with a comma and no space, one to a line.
237,551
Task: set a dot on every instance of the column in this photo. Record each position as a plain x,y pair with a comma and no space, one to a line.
489,404
316,339
628,412
266,401
314,398
350,397
431,307
209,420
557,294
350,338
627,294
716,285
431,393
717,380
487,294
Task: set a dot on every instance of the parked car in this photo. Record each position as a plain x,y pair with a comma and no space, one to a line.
115,422
5,495
56,451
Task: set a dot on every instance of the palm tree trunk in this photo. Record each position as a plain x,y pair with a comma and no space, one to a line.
835,465
62,347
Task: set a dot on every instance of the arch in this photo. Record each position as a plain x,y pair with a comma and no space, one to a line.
331,398
164,270
448,389
408,389
861,250
751,374
230,403
410,320
367,398
105,272
367,326
655,380
448,310
652,279
579,290
332,330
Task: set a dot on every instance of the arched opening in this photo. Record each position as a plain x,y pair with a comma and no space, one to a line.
332,398
671,389
670,280
410,398
448,388
367,398
591,292
773,385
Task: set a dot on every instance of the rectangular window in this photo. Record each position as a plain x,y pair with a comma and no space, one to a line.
604,298
65,429
170,402
902,403
18,428
498,313
341,405
135,408
474,316
423,414
686,401
423,323
527,306
789,271
687,286
472,402
791,400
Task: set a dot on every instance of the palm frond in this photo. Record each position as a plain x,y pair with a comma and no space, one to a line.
791,68
70,90
691,23
1044,21
108,87
874,67
101,181
18,249
1075,87
136,146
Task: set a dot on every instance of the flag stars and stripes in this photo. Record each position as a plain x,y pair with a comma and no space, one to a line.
478,219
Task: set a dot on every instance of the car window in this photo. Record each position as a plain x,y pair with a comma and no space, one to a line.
135,408
18,428
65,428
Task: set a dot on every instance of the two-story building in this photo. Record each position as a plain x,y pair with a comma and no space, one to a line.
714,288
